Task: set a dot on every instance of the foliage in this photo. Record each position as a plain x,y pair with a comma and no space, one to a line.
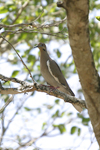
51,116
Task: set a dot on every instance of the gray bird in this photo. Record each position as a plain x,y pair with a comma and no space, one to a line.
52,73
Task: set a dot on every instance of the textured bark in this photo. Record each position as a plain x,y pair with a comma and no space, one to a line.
78,29
31,87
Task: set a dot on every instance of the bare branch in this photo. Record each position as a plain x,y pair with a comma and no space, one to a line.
6,104
4,129
14,25
38,16
2,111
34,28
11,79
33,24
19,57
14,116
32,31
28,143
27,87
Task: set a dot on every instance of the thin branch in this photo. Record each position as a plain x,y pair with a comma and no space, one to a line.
32,31
20,11
2,111
28,143
37,26
14,25
68,59
6,79
20,58
38,16
47,33
5,129
6,104
2,127
14,115
56,23
18,15
34,25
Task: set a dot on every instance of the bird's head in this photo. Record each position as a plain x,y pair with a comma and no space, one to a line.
41,46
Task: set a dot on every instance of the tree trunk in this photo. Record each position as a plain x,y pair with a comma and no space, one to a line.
78,29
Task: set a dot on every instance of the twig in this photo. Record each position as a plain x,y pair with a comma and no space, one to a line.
20,58
38,16
36,25
5,129
14,115
68,59
47,33
28,143
2,127
11,79
31,31
20,11
6,104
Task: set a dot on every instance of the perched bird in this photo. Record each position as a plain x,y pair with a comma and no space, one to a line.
52,73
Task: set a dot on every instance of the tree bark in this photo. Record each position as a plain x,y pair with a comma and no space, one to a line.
31,87
78,29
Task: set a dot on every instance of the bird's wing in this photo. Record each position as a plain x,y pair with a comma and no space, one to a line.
56,72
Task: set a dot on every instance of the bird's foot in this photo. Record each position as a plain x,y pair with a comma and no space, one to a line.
52,88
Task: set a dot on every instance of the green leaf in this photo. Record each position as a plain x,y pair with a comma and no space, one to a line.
62,114
58,53
31,58
79,115
69,114
27,109
3,10
85,121
61,128
98,18
57,101
43,125
15,73
79,131
56,114
73,129
55,125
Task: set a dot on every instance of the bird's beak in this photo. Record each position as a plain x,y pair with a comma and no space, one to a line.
36,46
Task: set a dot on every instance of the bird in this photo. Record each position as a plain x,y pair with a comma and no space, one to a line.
53,74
